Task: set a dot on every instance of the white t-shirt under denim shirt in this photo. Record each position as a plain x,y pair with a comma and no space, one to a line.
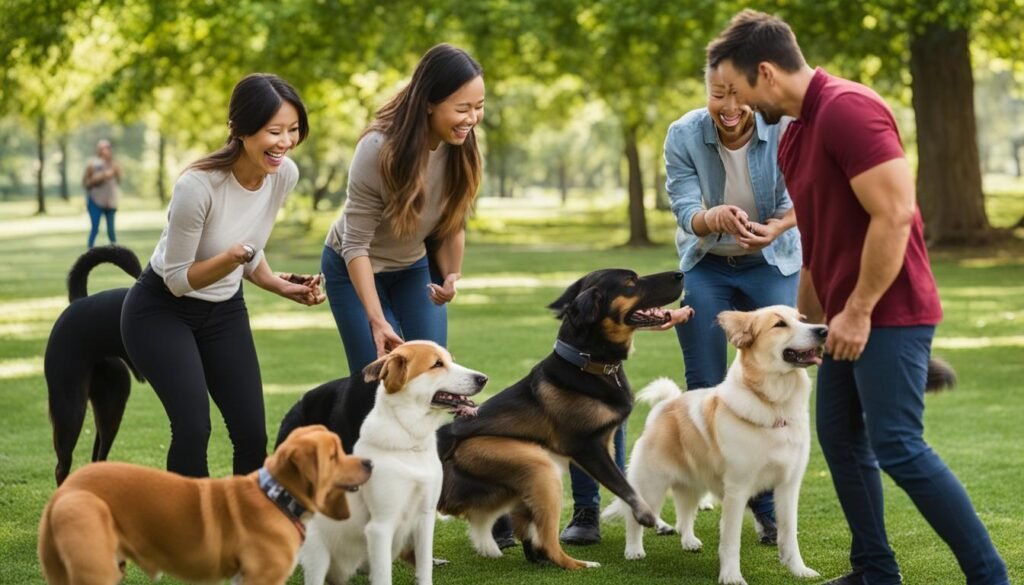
739,191
211,211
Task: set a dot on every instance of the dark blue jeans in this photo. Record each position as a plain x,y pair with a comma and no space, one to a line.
95,212
717,284
585,491
869,416
403,296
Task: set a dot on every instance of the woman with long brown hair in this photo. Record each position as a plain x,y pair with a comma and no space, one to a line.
413,180
184,323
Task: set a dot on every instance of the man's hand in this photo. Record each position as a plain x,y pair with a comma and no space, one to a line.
727,219
848,334
761,234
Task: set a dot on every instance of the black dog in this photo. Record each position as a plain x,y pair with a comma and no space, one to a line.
86,360
567,407
340,405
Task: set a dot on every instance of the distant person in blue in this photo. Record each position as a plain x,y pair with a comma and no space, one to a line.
101,181
736,237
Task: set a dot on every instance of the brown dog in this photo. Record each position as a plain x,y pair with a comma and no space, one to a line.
246,527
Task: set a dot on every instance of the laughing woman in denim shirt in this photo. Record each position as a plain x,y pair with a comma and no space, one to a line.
737,241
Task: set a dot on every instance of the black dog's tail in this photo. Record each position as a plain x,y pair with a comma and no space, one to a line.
120,256
941,376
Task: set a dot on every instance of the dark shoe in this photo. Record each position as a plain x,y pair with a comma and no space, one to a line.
767,532
584,528
502,533
855,577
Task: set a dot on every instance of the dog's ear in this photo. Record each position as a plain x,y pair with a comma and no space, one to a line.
562,303
738,327
585,309
395,372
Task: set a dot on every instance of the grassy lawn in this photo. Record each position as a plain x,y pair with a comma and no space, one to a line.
520,256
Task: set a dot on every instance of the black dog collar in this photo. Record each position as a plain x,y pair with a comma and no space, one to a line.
284,500
582,360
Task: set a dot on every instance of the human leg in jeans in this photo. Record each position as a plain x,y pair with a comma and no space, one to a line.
870,415
94,219
585,526
109,214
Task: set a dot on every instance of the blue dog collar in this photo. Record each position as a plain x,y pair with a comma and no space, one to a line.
284,500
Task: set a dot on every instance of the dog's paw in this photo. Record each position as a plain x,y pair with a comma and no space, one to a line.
804,572
635,553
591,564
664,528
490,552
707,502
731,578
691,543
645,517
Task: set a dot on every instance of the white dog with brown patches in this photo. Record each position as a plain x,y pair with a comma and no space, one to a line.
747,435
420,387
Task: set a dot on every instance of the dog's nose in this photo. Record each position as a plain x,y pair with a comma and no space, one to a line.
480,380
821,331
367,465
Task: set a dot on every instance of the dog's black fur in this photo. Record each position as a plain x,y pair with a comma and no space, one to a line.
340,405
557,405
86,361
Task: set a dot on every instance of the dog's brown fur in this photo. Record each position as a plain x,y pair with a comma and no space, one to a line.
194,529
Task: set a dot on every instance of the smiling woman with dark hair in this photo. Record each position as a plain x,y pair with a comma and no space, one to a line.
184,323
413,179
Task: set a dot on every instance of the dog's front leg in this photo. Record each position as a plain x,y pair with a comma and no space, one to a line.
787,496
734,503
379,536
595,459
424,535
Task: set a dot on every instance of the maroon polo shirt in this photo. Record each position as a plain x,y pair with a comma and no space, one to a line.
845,129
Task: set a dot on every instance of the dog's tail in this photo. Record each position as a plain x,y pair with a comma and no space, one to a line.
941,376
120,256
659,391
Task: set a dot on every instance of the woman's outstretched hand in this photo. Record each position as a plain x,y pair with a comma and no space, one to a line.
302,288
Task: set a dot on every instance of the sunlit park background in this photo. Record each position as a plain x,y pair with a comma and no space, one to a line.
579,96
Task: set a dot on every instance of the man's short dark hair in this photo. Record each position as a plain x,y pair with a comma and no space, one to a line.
753,37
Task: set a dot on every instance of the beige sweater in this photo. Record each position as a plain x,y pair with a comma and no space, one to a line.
362,229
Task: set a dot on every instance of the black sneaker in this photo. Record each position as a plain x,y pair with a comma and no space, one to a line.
767,532
855,577
584,528
502,533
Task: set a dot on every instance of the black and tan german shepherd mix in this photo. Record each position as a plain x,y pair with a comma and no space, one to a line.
86,360
510,457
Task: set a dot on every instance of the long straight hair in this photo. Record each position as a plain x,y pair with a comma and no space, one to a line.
254,101
404,121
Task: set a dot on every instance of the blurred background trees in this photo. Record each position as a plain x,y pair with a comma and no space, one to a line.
580,93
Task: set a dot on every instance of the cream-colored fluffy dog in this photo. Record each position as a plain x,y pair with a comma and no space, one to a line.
747,435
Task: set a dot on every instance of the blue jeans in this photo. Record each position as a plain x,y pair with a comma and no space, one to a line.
717,284
869,416
403,296
585,491
95,211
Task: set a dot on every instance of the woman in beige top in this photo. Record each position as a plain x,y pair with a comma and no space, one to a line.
413,179
101,180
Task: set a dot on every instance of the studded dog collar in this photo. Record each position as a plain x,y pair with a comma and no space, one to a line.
284,501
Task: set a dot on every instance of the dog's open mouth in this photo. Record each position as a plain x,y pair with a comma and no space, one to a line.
650,317
451,401
803,357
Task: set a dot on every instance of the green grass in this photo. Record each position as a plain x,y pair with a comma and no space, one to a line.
520,256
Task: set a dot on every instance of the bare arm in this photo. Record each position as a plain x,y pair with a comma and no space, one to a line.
203,273
886,192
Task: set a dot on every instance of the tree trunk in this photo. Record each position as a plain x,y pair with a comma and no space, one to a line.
661,202
161,168
563,179
63,142
949,169
40,161
637,219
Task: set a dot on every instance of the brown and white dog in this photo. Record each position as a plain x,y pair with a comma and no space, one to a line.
245,528
420,386
747,435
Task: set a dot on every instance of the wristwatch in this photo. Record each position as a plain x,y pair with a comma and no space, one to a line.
250,252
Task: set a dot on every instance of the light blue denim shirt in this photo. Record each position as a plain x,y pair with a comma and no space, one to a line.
696,181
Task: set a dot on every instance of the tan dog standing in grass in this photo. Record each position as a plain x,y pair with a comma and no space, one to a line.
749,434
244,528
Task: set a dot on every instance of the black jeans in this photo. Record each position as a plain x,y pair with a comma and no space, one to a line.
187,349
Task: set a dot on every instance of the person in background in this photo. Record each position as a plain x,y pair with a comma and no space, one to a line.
865,269
102,181
185,323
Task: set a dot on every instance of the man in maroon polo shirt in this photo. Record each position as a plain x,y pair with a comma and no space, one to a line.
865,271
